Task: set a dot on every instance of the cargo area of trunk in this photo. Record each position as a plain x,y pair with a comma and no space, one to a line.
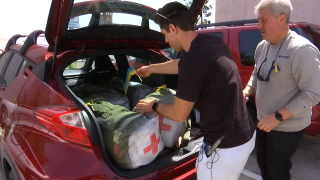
92,79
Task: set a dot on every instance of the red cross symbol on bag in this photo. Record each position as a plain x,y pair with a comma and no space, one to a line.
154,144
162,126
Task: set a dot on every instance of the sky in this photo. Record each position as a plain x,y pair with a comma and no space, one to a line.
24,16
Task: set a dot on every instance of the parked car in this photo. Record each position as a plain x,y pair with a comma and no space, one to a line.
242,37
38,103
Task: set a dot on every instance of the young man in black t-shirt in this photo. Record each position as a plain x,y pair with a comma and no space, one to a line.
209,81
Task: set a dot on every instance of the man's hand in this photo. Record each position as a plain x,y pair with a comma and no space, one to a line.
145,106
144,71
268,123
247,92
246,95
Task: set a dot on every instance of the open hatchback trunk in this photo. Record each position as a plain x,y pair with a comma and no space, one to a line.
98,43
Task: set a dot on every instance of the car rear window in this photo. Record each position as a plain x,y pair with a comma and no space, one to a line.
86,13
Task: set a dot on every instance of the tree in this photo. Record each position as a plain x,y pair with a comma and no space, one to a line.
205,12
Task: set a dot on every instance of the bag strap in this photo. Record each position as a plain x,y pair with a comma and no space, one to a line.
186,136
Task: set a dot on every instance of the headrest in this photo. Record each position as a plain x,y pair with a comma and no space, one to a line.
103,63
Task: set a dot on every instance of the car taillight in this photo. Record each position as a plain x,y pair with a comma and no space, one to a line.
65,122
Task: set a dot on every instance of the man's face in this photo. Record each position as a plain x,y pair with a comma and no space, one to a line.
171,38
268,26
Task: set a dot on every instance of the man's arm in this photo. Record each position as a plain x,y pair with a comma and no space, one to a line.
306,73
252,83
178,111
269,122
305,67
170,67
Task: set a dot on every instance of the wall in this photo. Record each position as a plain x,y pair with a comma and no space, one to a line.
230,10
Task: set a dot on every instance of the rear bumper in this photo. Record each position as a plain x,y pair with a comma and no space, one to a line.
188,175
314,127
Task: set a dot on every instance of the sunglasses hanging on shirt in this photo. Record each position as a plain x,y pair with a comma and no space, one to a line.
260,78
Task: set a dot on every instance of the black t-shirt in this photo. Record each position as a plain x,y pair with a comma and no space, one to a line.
209,77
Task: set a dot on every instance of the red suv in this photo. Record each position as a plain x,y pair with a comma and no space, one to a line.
48,132
242,37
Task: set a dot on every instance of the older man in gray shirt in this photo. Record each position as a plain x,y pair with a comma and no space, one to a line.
286,83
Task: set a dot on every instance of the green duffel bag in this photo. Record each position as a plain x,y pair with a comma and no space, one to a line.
170,130
131,139
115,84
85,90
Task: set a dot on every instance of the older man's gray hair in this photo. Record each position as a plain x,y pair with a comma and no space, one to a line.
276,8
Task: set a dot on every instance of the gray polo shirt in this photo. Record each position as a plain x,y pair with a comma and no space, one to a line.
295,86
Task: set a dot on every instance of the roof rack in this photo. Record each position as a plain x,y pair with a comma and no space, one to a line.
228,23
30,41
13,40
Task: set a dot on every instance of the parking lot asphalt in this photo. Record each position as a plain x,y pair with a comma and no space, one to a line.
306,162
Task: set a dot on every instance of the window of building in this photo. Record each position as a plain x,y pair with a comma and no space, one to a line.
248,42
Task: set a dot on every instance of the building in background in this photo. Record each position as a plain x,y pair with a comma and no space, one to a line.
230,10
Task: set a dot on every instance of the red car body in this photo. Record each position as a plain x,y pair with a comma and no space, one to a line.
36,143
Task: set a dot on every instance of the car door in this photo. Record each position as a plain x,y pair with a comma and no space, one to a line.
14,71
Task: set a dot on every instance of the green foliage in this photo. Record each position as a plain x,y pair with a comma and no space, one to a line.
73,65
206,9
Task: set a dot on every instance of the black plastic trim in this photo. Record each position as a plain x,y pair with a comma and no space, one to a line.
74,73
30,41
5,156
91,129
195,8
48,30
40,69
12,41
228,23
5,66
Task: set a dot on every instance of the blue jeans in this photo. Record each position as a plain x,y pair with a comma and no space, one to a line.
274,152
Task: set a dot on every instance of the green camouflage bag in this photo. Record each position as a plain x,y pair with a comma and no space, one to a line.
170,130
131,139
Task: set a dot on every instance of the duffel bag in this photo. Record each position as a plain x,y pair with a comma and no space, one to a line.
131,139
136,92
170,130
87,91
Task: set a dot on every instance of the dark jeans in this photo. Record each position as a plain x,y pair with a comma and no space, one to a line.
274,152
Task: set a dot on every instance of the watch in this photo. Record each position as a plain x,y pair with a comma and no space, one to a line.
154,106
278,116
